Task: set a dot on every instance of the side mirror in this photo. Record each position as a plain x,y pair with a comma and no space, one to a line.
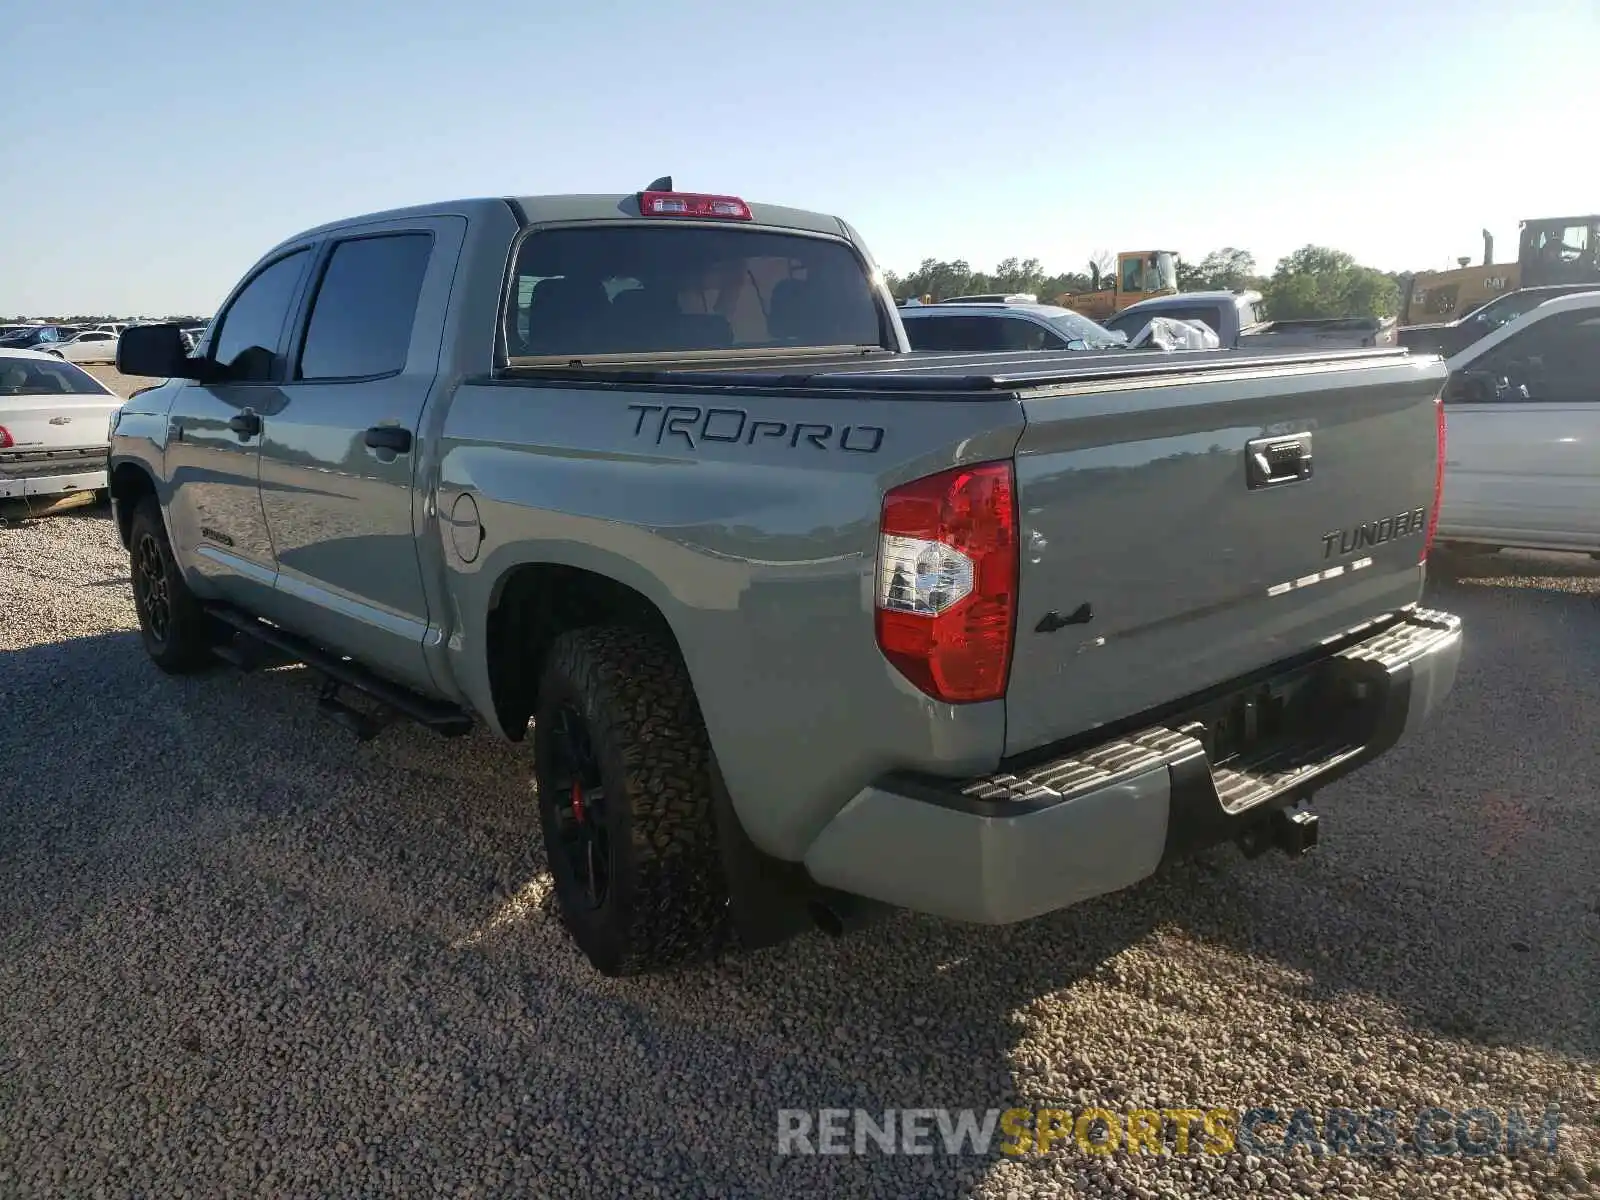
157,351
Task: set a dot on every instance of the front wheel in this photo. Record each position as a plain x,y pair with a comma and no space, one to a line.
623,766
175,629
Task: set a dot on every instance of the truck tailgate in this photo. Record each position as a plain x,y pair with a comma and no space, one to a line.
1177,533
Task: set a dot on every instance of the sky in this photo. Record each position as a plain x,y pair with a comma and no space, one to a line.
150,159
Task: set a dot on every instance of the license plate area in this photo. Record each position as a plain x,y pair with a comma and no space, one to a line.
1257,723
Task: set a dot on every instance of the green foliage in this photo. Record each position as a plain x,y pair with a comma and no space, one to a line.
1316,281
1227,269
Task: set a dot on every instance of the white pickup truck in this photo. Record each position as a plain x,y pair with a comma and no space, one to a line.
1522,464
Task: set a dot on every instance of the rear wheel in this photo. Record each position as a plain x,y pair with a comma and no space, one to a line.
176,631
624,773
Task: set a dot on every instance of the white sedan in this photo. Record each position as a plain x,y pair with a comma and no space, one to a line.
95,346
55,426
1522,437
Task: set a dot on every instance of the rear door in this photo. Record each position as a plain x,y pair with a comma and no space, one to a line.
214,438
1523,455
339,456
1158,559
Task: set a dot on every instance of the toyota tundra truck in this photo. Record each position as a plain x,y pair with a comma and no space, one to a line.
801,625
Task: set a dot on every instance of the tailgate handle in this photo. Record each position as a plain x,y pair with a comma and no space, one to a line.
1271,461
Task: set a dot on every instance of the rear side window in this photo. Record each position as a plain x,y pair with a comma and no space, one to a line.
247,342
365,307
24,377
657,289
978,335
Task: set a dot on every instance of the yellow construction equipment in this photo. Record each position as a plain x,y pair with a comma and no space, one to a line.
1550,250
1140,274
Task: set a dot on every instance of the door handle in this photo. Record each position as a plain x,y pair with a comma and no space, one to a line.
389,437
1277,460
247,424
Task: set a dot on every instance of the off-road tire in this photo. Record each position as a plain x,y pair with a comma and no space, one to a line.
666,902
180,640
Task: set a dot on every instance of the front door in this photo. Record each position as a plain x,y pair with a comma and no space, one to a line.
214,440
1522,443
338,456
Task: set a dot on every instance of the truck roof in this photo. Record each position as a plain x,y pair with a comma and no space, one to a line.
534,210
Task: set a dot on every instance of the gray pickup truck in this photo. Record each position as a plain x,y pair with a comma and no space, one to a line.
803,624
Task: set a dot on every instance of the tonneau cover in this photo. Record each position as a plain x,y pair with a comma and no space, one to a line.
932,371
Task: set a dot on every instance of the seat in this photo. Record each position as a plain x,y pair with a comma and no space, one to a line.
568,316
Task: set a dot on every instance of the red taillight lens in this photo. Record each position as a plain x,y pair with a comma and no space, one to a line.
6,441
1438,476
947,581
693,204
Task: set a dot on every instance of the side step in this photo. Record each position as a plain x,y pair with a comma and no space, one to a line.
443,718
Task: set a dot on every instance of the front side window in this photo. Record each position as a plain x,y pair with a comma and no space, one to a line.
648,289
365,307
249,333
1551,361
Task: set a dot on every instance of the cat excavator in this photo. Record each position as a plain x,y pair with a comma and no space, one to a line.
1550,250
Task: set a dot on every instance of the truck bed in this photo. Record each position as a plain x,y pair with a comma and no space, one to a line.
1133,490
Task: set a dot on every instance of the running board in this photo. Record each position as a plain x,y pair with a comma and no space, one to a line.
443,718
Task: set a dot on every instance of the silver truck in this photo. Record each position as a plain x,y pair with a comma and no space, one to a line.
1236,318
803,624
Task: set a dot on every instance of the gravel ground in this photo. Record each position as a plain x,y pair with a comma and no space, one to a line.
121,384
240,953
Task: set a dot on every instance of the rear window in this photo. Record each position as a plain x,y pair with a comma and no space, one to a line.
640,290
25,377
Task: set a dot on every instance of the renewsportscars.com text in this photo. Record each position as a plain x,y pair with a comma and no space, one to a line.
1270,1132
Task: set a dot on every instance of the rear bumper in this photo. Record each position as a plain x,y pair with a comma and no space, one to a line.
1102,817
51,473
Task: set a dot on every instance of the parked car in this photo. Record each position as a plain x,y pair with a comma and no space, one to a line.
90,347
1002,323
805,622
54,426
1523,462
1237,320
1449,337
29,337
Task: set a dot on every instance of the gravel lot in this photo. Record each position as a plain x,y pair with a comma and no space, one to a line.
241,953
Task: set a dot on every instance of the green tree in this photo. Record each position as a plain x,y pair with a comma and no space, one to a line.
1316,281
1228,269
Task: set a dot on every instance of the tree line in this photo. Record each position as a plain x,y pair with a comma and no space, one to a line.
1314,281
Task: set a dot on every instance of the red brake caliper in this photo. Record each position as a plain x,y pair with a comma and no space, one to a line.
577,802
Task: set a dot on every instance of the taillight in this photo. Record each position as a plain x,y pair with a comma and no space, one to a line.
947,581
693,204
1438,476
6,441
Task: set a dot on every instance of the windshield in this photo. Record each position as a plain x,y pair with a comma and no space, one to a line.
1154,271
633,289
25,377
1560,251
1076,328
